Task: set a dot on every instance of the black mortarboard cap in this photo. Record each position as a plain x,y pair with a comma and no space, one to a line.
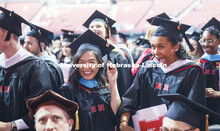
67,31
212,25
186,110
11,22
41,34
99,16
91,41
162,15
56,36
195,35
113,30
171,29
69,35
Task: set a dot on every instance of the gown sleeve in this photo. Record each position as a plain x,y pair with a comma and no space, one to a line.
194,87
131,98
40,80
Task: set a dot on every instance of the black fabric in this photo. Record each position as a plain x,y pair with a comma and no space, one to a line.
57,73
195,36
28,78
91,117
212,24
91,41
180,111
162,15
124,78
212,81
171,29
127,55
41,34
187,80
11,22
98,16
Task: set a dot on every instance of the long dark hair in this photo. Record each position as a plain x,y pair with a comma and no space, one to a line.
75,75
181,53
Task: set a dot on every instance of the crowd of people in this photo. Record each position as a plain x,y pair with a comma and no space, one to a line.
97,80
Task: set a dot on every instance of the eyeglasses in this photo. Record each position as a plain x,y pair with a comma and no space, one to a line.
175,129
207,41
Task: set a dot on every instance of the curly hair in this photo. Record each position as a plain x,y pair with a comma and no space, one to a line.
75,75
181,53
214,31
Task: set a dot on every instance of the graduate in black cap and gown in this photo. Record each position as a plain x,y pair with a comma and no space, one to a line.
210,62
178,76
36,42
22,75
100,24
98,100
144,43
65,55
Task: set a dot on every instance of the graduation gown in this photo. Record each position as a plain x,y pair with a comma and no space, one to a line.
126,52
55,69
210,65
27,78
57,73
187,80
124,78
95,112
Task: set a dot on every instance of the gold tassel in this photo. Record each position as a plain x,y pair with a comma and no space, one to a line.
77,121
207,123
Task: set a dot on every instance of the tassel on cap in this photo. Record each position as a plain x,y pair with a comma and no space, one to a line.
77,121
207,123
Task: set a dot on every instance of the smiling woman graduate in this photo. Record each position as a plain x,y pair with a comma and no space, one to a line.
210,62
98,101
100,24
180,76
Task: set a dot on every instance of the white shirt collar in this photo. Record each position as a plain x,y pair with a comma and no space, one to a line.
20,55
175,65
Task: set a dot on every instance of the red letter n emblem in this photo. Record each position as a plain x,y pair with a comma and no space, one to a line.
93,109
213,71
6,89
158,85
101,107
0,89
207,71
166,87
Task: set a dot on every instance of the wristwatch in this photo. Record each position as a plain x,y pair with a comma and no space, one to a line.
13,126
